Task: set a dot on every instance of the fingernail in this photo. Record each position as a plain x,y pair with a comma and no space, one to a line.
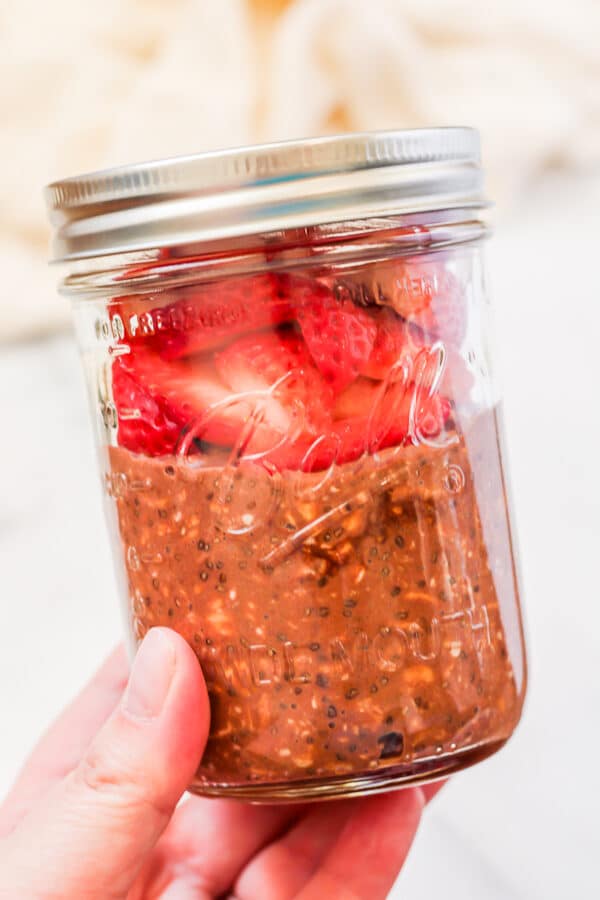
150,677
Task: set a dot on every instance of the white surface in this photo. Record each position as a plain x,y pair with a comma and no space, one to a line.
522,826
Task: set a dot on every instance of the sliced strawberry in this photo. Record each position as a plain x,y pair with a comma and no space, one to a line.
144,425
369,417
164,407
389,414
278,362
404,284
339,335
445,317
390,342
423,292
202,317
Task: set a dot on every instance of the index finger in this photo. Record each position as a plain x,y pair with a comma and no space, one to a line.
63,744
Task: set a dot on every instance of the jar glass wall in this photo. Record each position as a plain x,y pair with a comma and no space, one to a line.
300,440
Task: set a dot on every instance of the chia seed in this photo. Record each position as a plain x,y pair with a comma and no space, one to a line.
392,744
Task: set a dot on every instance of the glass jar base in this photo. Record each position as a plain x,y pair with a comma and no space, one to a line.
358,785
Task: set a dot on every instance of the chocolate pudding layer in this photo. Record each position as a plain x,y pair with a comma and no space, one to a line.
355,626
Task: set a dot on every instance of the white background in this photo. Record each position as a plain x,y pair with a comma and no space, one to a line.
525,823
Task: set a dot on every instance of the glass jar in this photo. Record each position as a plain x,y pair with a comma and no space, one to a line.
287,355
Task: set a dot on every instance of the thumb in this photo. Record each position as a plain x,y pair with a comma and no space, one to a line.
89,837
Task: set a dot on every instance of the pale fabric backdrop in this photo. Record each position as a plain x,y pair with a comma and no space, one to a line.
87,85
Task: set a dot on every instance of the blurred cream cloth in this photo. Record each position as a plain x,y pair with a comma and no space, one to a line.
87,85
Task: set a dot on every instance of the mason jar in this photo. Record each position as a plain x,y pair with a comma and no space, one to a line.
287,350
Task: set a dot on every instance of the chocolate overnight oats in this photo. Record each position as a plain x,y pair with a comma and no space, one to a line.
287,355
350,631
297,496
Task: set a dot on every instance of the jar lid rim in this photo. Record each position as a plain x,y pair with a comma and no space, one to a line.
263,188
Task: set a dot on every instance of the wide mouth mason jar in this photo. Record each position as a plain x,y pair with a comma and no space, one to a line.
287,354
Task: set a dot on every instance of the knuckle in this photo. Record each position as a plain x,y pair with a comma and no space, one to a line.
105,782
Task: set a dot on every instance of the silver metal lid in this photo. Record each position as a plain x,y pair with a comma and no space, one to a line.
266,188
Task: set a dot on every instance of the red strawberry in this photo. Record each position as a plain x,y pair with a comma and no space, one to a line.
339,335
279,362
202,317
164,407
445,317
390,342
422,291
384,415
370,417
144,426
404,284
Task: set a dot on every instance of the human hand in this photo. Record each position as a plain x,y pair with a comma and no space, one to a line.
93,813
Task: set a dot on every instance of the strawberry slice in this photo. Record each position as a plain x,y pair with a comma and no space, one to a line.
404,284
338,334
424,293
278,363
202,317
445,317
144,424
167,407
370,417
391,340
